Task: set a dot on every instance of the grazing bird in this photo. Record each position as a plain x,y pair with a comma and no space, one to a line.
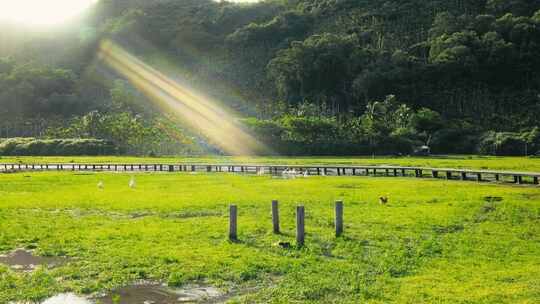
383,200
100,185
132,183
287,174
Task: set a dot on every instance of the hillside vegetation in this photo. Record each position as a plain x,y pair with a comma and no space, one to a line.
308,77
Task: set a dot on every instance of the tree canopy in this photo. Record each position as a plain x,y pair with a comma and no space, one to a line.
375,76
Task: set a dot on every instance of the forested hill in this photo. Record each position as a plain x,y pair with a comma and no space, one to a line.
310,76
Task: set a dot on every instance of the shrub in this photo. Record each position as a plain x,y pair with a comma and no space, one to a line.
459,137
55,147
502,143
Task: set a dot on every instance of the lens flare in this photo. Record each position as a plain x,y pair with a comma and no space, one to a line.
199,112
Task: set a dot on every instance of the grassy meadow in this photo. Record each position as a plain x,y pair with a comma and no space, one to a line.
529,164
435,241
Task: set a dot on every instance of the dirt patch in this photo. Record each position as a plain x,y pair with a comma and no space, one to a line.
492,199
25,260
348,186
9,171
136,215
455,228
192,214
530,196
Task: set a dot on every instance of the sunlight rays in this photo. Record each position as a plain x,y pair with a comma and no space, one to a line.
199,112
40,13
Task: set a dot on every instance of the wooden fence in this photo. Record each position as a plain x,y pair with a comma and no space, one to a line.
292,170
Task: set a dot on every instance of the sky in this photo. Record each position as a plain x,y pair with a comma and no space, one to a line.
41,12
47,12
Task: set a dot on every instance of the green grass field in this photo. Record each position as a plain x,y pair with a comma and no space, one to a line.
530,164
435,242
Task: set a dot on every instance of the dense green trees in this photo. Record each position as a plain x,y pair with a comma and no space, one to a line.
129,131
33,91
317,69
386,127
307,72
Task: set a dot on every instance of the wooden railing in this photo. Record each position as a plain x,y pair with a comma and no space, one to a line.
293,170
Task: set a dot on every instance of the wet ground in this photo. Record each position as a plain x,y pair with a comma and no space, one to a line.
25,260
145,294
140,294
67,298
158,294
192,294
64,298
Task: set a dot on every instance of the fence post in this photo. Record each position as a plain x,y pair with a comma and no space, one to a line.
233,223
339,218
275,216
300,226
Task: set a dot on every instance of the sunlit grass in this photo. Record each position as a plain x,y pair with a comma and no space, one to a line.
435,241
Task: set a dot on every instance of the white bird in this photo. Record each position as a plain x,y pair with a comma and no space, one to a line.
100,185
306,174
132,183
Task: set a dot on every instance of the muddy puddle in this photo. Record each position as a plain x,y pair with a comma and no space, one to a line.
143,294
158,294
146,293
25,260
64,298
